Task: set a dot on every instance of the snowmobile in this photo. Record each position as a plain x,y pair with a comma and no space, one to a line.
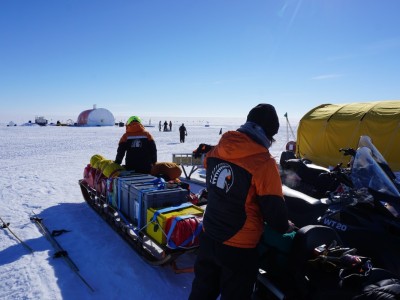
154,216
314,264
360,202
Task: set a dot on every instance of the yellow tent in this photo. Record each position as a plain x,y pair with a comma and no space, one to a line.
328,127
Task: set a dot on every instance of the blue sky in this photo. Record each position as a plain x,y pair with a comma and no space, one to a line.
214,58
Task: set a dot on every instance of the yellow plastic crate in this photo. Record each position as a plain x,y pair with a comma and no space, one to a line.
155,228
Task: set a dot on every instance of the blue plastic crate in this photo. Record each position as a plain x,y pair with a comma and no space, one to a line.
128,198
114,195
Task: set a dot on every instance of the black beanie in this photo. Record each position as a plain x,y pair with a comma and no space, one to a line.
265,116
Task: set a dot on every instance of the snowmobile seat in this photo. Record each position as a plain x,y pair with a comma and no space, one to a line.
314,180
302,209
306,240
305,169
380,284
285,156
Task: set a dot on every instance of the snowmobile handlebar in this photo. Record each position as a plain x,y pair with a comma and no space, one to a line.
348,151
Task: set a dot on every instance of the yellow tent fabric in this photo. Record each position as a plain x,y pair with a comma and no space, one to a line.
328,127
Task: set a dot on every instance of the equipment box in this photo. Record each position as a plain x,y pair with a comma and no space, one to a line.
157,199
157,219
114,186
128,196
136,198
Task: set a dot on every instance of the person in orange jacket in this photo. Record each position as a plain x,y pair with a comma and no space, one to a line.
139,147
244,191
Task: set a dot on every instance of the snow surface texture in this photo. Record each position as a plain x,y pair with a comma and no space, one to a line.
40,168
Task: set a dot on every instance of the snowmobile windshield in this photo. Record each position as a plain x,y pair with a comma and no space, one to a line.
365,141
367,173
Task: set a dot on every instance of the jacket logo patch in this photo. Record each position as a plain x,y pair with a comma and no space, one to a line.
222,176
137,143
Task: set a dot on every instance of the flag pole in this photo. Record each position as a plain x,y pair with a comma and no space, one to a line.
289,127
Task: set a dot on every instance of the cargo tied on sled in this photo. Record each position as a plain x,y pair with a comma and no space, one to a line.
156,217
177,226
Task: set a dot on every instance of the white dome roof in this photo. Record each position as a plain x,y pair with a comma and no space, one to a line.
96,117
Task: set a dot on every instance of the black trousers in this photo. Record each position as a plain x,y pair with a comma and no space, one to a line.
223,270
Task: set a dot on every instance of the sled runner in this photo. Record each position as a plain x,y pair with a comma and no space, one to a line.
155,217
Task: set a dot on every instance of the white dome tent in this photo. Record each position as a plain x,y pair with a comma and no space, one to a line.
96,117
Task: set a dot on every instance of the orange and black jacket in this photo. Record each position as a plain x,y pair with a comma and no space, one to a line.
244,190
140,149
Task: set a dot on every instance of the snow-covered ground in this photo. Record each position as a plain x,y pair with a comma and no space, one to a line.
39,172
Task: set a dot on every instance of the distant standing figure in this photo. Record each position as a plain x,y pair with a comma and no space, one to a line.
220,131
170,126
182,133
159,126
165,126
